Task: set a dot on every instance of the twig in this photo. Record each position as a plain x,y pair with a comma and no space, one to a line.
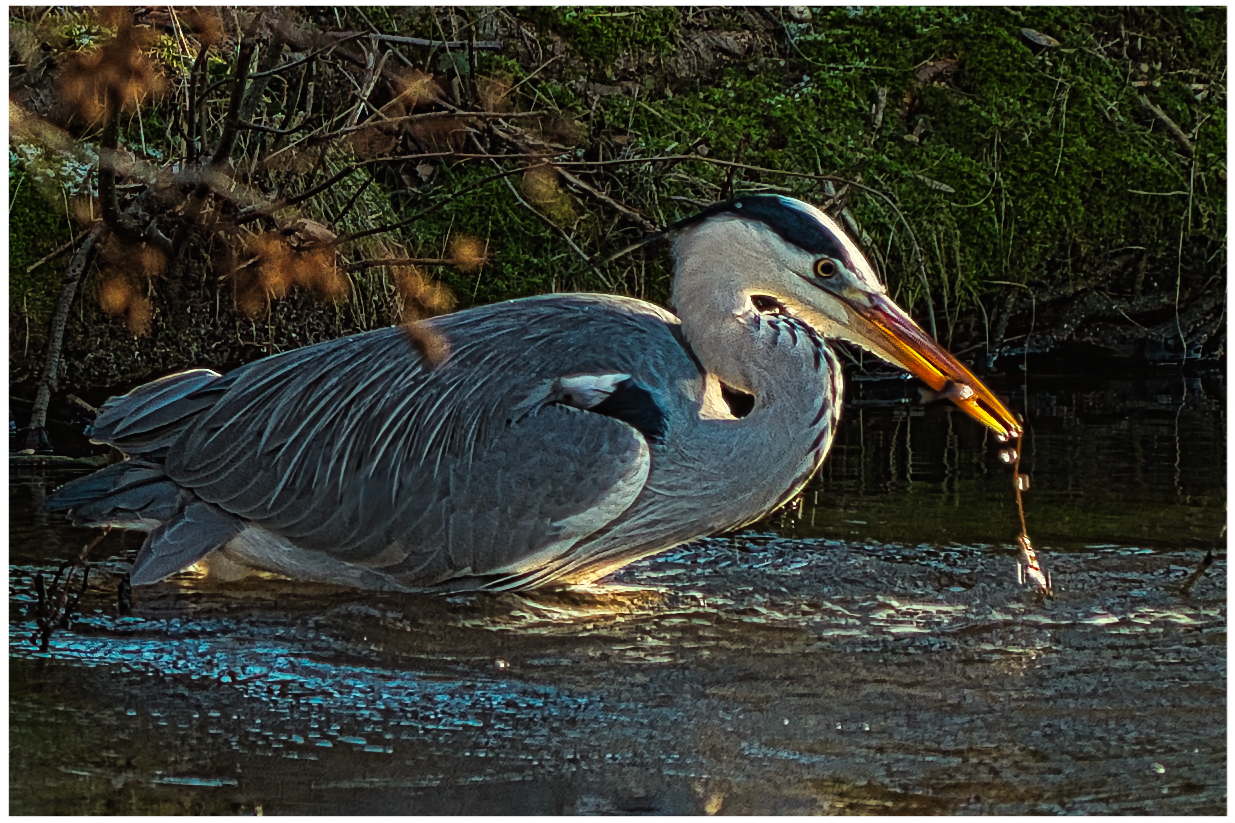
427,115
485,45
77,401
49,618
231,121
349,238
314,139
57,252
256,213
635,216
109,199
244,125
529,146
196,75
710,161
638,244
121,223
561,232
1174,130
373,71
361,265
291,65
877,120
361,189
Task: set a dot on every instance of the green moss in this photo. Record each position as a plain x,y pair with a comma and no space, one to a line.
599,34
1028,156
36,228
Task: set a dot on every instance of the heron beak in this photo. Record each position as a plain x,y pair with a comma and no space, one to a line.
889,332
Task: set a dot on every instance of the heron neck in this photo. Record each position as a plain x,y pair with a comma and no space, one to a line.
728,337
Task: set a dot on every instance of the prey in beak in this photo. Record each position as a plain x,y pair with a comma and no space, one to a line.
883,327
837,290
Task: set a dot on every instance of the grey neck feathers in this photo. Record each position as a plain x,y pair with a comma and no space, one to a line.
714,279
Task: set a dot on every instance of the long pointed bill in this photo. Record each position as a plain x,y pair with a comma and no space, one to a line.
892,334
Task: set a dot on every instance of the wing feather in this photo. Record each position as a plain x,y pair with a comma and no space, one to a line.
353,447
148,417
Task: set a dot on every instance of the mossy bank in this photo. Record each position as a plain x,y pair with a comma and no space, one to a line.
1028,179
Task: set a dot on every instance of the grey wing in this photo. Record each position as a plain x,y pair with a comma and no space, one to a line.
148,419
361,450
519,510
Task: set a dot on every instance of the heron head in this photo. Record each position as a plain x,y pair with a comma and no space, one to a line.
792,254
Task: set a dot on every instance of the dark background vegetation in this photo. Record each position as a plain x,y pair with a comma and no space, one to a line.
1029,180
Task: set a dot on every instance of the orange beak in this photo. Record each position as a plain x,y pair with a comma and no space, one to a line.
889,332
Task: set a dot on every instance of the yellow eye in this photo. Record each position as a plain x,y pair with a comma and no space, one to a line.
825,267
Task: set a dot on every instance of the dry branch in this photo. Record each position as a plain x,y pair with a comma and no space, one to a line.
57,252
36,437
1175,131
483,45
361,265
231,121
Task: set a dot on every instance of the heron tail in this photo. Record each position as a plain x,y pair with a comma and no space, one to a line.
137,494
129,494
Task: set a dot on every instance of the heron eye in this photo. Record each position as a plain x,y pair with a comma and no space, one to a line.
825,267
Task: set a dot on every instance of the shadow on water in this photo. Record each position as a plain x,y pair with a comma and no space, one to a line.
813,664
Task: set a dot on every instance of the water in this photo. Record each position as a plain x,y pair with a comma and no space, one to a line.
867,651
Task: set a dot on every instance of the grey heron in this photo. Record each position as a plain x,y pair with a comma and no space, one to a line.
549,441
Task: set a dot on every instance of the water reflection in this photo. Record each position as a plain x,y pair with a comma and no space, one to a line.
1136,462
761,672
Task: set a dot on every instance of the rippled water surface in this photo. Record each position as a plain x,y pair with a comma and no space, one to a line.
868,651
